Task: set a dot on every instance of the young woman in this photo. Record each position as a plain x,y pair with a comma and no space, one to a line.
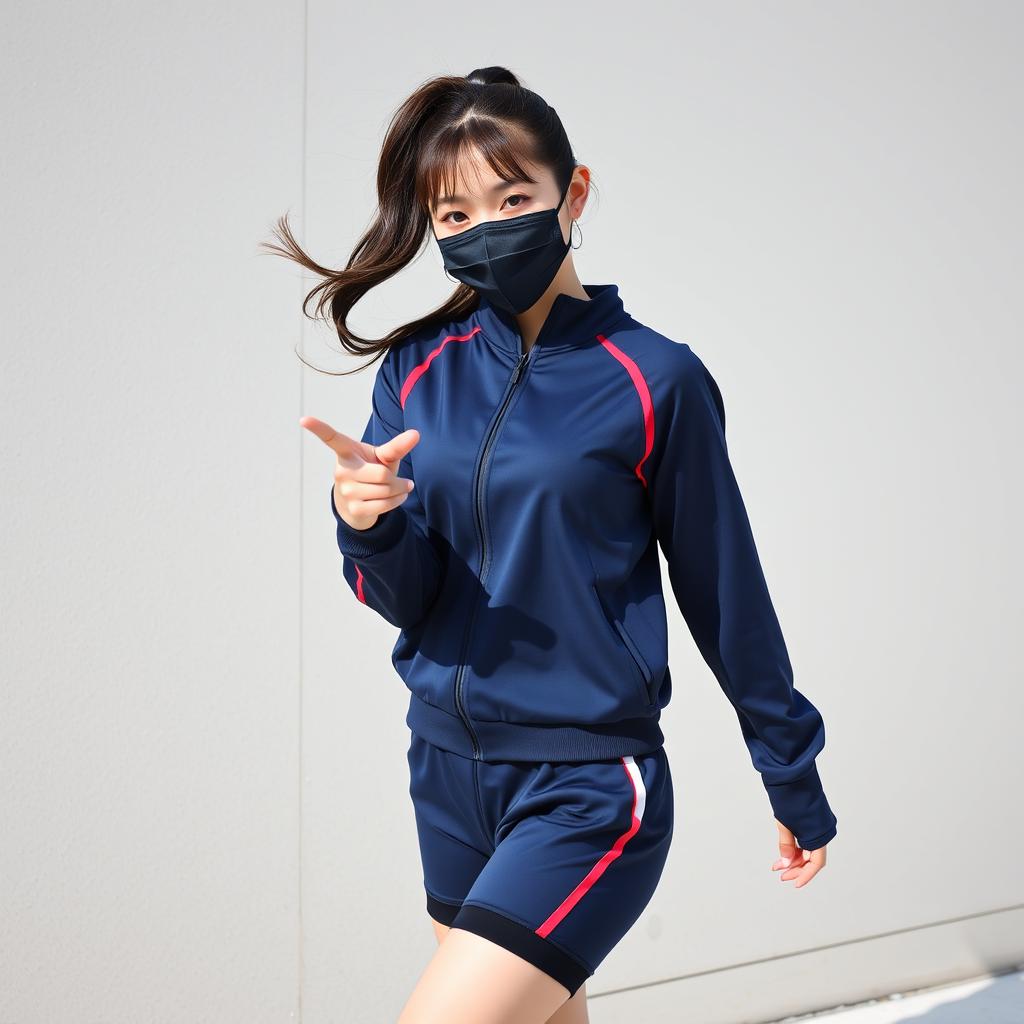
530,447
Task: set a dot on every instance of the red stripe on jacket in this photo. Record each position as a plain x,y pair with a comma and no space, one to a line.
640,383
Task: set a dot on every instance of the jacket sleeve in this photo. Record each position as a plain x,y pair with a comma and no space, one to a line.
702,527
393,566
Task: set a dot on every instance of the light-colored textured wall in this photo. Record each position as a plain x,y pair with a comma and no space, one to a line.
204,801
149,727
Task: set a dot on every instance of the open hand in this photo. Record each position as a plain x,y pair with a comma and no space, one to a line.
793,862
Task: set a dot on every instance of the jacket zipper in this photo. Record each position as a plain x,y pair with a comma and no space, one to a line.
478,508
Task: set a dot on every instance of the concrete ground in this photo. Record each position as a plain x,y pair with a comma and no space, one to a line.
984,1000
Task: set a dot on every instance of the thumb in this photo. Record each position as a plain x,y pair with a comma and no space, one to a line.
787,846
392,452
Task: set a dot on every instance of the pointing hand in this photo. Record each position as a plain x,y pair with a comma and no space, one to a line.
365,484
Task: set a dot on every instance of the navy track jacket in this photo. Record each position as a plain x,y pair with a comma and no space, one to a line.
523,572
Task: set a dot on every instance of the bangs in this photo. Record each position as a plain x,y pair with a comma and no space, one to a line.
449,157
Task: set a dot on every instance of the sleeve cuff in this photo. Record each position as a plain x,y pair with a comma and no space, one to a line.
816,842
802,807
384,534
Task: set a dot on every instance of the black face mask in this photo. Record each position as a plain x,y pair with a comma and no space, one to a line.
510,261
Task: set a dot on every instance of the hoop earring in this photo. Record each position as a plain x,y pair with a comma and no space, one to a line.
575,224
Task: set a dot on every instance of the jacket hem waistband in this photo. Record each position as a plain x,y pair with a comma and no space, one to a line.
517,741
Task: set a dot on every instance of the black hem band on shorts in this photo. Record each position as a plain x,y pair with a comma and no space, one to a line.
524,942
441,911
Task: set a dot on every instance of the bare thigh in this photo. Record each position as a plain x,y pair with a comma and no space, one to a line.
471,980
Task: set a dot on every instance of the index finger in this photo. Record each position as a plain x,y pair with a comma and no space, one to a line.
341,443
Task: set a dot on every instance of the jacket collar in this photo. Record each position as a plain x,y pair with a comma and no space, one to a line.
571,322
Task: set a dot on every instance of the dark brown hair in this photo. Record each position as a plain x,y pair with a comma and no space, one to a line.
425,142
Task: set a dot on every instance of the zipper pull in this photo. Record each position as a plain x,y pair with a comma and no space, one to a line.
519,366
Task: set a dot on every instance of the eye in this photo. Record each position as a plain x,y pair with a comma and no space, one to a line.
515,195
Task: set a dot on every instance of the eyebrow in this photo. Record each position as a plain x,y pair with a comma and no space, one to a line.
499,187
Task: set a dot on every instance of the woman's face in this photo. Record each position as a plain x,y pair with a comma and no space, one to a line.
482,195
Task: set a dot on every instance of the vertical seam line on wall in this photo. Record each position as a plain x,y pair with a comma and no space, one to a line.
301,980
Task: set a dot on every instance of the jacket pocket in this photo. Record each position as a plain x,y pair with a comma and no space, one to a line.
643,672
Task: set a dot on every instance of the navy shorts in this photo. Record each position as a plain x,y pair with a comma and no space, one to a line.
554,861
